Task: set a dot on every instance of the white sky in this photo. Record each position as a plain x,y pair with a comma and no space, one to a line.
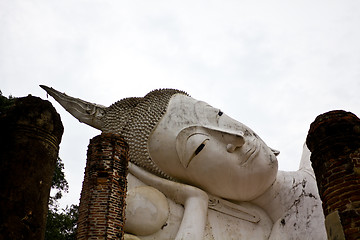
273,65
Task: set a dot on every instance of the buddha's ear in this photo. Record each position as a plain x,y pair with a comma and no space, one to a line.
276,152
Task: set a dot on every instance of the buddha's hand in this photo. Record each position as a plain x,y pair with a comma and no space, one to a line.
194,200
147,211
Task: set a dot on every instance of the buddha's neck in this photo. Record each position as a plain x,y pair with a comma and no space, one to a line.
273,201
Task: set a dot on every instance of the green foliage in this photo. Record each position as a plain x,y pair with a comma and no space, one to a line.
59,183
61,224
5,102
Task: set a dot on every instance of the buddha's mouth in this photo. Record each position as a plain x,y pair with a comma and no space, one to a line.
252,152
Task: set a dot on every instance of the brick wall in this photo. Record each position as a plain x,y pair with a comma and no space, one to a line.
102,202
334,142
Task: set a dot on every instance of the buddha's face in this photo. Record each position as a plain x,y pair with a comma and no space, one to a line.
199,145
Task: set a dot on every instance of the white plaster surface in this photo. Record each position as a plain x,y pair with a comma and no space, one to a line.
228,161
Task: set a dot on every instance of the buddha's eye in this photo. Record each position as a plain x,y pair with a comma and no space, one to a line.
201,147
220,113
193,146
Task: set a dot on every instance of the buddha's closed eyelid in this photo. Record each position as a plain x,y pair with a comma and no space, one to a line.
196,152
200,147
193,146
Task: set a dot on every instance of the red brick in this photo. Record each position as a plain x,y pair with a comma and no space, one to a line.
102,203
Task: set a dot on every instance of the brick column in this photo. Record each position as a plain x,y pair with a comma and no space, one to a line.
102,202
30,134
334,142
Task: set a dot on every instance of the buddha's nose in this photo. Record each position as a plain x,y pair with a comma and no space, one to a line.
236,142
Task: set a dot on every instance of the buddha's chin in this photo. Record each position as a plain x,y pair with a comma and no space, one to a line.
255,186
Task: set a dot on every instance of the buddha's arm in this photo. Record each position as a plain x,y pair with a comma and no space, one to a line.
194,200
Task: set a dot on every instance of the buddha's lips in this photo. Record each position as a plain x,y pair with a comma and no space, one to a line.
252,152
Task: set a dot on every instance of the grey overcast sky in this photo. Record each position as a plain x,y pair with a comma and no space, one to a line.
273,65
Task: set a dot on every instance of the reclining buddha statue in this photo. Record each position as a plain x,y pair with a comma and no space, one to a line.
195,173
